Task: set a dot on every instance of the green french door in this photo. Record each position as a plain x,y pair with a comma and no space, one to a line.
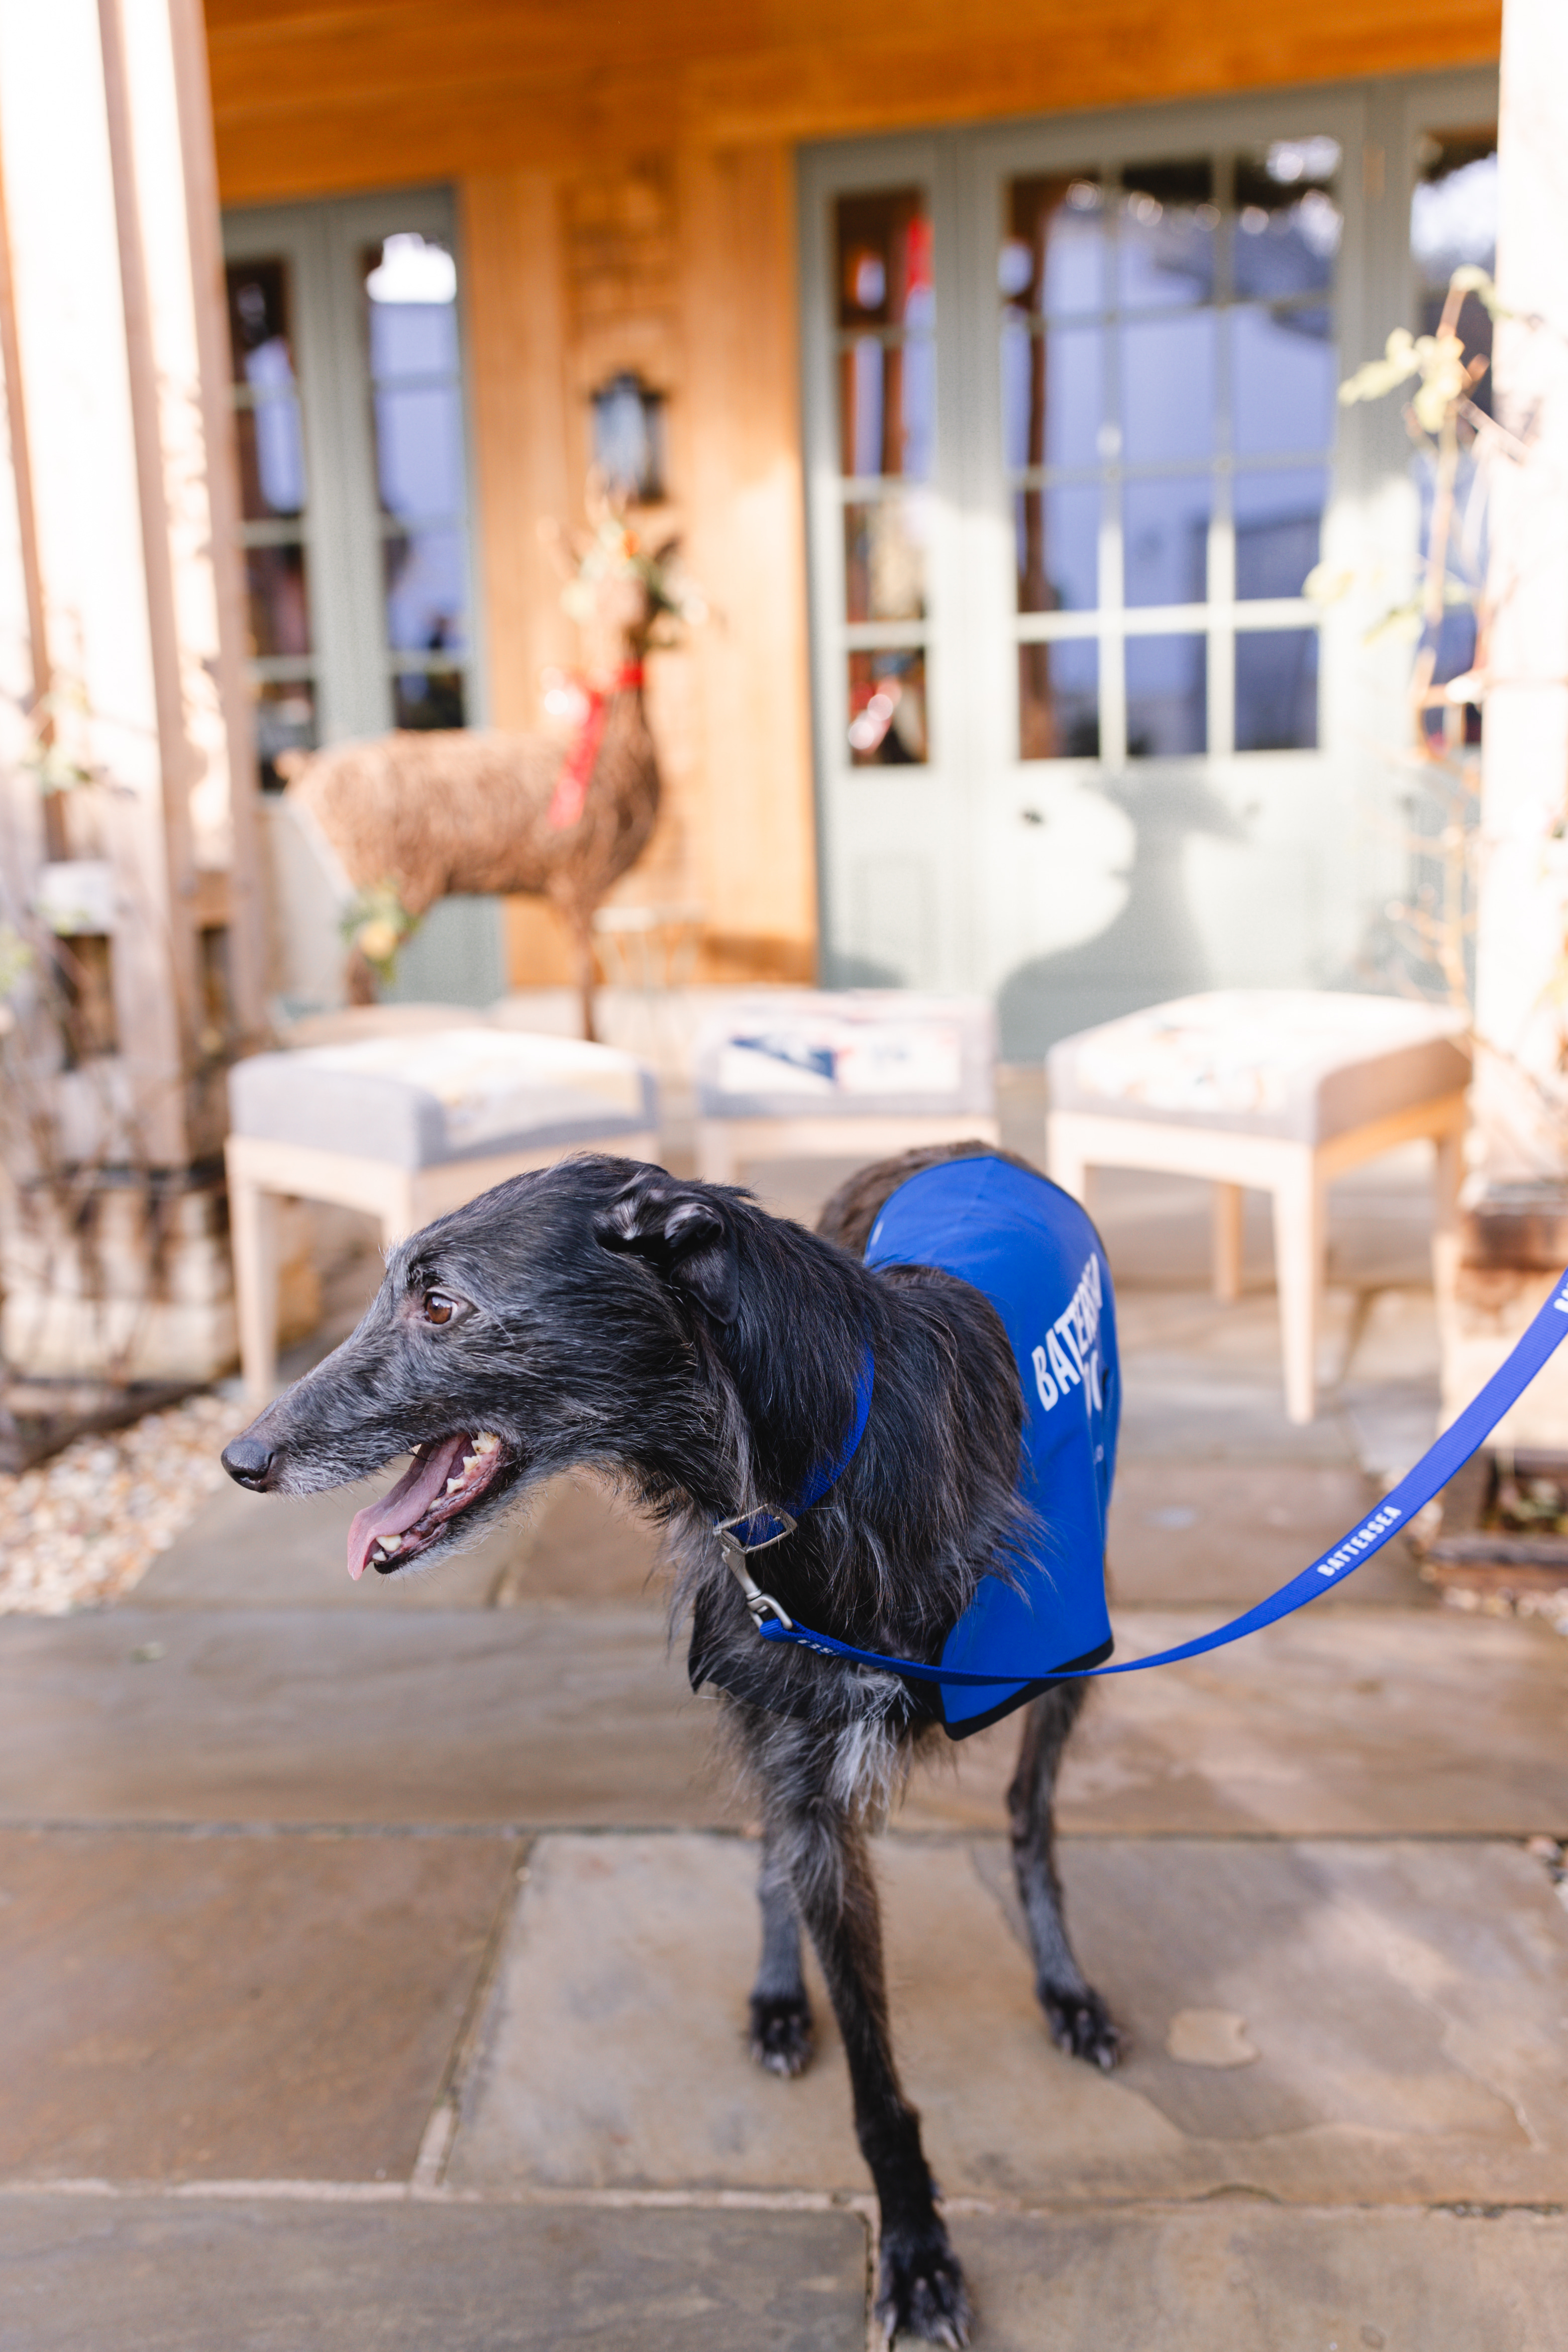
1084,740
346,350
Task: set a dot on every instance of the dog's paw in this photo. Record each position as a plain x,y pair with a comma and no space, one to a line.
781,2033
920,2288
1080,2026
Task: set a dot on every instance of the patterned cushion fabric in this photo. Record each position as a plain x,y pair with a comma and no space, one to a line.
1299,1063
460,1094
797,1053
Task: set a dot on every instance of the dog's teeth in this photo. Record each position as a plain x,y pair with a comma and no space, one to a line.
454,1486
486,1444
468,1462
387,1545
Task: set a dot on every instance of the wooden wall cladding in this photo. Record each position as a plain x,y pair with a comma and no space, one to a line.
682,268
311,96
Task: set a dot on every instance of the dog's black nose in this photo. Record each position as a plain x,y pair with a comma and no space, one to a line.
247,1462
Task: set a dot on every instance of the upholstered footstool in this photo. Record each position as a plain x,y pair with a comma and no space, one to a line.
407,1127
793,1073
1282,1089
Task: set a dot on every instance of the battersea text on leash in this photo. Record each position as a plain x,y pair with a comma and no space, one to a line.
908,1416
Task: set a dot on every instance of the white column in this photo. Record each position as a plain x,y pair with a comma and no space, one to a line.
119,338
1523,931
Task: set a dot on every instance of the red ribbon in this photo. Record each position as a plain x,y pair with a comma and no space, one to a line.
571,795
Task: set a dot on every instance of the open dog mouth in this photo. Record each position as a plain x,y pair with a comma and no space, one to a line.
445,1479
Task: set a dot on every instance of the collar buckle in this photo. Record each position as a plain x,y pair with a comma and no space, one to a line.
732,1542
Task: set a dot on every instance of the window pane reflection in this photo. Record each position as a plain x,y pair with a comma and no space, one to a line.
271,460
885,257
1209,387
1165,230
887,408
887,379
1059,700
1054,256
424,699
411,285
1164,554
1284,379
1277,691
1167,388
418,450
1453,220
1288,223
1052,393
285,721
278,604
1168,697
271,445
884,560
887,709
1058,545
413,338
426,590
1279,529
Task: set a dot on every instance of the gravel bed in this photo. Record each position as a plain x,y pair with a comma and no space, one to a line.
84,1527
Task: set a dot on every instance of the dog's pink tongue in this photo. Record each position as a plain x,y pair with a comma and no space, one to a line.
420,1483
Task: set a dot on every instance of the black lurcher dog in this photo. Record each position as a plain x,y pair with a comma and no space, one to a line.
707,1354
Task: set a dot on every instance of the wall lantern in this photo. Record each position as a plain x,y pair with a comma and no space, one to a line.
628,438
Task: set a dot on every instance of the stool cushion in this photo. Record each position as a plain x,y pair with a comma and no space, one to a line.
799,1054
1299,1063
461,1094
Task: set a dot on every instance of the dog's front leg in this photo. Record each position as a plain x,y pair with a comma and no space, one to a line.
817,1844
780,2012
1079,2020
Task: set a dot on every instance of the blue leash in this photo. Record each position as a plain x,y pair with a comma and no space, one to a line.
1452,1450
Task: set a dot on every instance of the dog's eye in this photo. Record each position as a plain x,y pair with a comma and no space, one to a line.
438,1307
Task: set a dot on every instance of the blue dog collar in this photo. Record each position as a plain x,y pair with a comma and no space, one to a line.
759,1530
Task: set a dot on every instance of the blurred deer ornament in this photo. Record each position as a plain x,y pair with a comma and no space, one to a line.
415,817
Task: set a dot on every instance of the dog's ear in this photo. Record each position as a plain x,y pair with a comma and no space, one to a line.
683,1232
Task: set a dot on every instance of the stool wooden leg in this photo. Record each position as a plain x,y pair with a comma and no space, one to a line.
403,1215
1064,1162
717,1163
1299,1239
1447,1169
253,1233
1228,1201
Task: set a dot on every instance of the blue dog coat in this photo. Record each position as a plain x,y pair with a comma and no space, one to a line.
1031,1250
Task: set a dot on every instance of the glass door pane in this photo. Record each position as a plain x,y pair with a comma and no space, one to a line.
886,371
416,417
1166,327
348,374
275,528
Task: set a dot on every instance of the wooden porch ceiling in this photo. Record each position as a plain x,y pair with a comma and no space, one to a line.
313,98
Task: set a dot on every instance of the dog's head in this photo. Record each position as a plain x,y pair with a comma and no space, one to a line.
568,1316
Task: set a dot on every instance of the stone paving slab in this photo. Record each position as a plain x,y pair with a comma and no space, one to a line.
586,1547
275,1551
521,1715
575,1543
1341,1721
1242,2277
1191,1534
1337,1722
141,2274
1382,2024
221,2007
